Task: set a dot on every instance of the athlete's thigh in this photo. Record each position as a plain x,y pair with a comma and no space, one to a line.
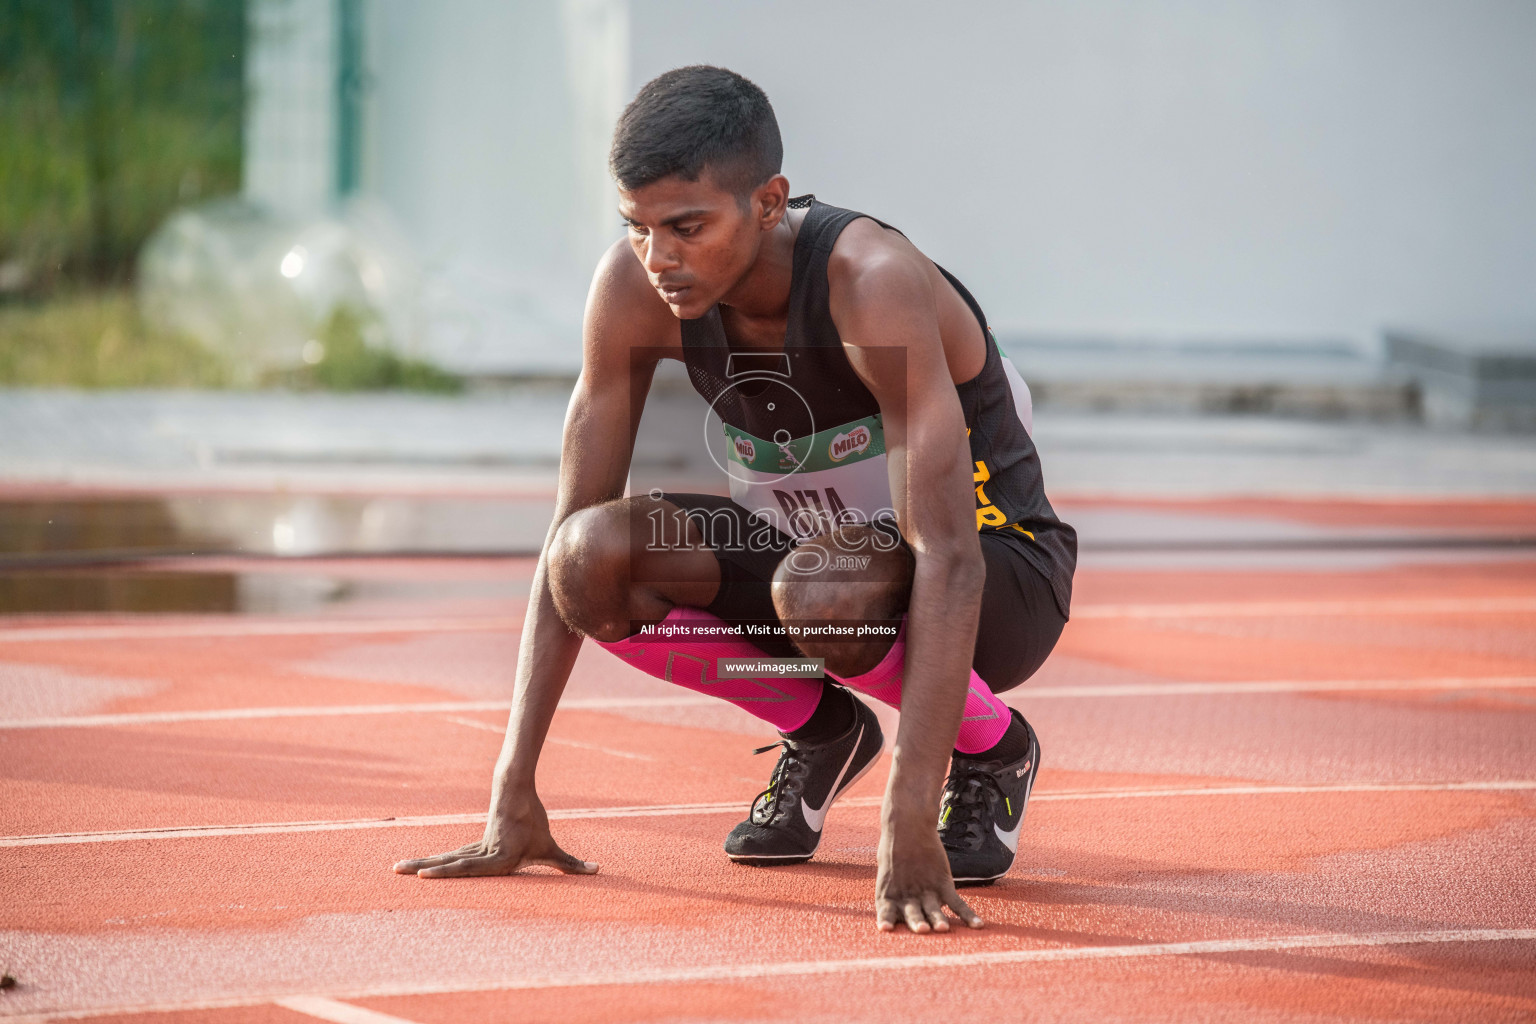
1020,621
748,550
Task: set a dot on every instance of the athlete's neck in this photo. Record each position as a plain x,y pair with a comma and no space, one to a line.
755,312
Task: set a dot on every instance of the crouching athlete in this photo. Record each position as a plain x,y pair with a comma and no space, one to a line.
881,473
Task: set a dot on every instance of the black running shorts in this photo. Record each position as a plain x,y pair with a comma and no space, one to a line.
1020,620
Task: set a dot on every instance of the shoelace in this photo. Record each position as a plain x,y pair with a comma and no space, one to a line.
963,806
783,786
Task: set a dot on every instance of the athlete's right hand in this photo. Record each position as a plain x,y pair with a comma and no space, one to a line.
513,840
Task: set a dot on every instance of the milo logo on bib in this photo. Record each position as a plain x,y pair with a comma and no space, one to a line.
854,442
744,449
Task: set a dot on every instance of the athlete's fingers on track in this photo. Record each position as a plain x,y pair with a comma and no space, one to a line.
934,910
887,914
415,864
963,909
410,867
564,863
913,910
469,867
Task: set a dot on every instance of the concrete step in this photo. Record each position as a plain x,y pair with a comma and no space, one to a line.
1334,379
1471,378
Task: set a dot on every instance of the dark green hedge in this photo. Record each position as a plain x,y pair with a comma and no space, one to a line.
111,113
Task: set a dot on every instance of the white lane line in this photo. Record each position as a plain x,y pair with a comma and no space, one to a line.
1023,693
327,711
241,627
914,962
341,1013
241,714
500,730
269,828
735,807
742,972
1263,609
1497,786
1016,696
409,821
270,627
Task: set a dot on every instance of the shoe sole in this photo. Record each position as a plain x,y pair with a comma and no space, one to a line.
979,881
784,859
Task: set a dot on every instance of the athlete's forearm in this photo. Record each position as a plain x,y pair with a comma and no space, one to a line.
545,656
944,608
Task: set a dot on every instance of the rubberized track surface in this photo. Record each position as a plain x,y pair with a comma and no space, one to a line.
1274,788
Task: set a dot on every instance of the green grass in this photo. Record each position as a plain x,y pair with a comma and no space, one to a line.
351,364
98,340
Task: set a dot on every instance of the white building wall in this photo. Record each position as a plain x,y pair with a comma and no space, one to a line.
1168,168
1183,168
290,121
487,138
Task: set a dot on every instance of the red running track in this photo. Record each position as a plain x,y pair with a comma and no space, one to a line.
1267,794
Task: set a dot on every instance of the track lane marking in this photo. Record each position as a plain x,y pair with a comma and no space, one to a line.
275,627
1237,687
735,807
1260,609
734,972
500,730
339,1013
618,703
1142,610
802,968
334,710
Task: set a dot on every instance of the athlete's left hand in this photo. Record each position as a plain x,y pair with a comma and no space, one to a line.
912,881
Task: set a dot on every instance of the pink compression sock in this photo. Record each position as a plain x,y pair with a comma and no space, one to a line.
687,657
986,717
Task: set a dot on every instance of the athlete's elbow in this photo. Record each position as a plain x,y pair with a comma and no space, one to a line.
957,566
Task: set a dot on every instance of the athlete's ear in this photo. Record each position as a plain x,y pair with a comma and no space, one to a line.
769,201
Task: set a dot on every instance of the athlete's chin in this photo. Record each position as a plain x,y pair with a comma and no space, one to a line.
684,305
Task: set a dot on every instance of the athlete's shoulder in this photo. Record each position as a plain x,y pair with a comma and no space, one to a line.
864,242
871,264
622,307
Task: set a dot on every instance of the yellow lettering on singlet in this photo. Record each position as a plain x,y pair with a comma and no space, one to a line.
987,514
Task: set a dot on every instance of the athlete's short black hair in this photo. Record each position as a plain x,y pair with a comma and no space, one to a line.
687,119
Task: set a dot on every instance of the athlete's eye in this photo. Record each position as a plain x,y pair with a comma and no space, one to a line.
690,230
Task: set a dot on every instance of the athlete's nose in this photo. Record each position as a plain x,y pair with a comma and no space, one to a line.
657,259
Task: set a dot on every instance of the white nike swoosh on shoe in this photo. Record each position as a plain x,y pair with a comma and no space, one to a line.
1010,839
814,816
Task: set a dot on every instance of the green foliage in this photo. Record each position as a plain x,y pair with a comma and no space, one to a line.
348,363
112,112
97,340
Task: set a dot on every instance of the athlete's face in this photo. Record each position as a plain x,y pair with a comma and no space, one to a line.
695,239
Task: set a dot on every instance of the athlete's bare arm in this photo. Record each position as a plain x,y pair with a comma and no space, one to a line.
889,313
624,326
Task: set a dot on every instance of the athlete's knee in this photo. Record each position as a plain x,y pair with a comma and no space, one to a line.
588,566
845,574
843,580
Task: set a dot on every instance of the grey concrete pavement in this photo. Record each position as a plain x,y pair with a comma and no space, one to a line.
508,442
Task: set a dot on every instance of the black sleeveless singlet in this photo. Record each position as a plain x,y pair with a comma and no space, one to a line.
803,434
